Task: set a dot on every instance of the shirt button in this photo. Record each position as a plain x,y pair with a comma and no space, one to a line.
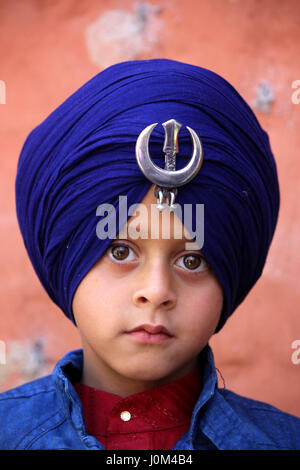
125,416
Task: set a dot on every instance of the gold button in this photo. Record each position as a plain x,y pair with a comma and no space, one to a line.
125,416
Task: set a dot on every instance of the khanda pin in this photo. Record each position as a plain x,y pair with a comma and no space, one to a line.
167,180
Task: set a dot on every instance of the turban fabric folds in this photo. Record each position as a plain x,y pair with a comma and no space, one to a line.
83,155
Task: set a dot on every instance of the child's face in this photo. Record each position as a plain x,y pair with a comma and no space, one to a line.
138,282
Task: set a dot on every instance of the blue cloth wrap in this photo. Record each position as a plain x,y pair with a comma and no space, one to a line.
83,155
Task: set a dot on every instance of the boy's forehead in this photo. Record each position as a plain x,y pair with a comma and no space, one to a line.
150,223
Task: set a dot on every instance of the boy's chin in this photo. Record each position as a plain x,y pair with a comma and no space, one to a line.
152,375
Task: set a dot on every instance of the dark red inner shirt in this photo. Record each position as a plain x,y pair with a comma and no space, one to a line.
150,420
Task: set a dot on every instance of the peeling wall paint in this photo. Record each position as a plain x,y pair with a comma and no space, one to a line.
264,97
120,35
2,92
2,352
23,361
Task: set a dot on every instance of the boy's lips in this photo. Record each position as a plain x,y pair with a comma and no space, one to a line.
152,329
150,333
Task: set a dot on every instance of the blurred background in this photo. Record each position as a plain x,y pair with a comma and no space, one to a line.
48,49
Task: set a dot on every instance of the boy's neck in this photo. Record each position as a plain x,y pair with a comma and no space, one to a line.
98,375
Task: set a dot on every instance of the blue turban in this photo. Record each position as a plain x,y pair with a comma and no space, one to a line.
83,155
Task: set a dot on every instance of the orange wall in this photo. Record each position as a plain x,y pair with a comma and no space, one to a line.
47,51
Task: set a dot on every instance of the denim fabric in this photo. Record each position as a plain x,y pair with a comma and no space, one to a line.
47,414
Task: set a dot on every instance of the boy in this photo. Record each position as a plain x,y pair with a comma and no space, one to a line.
146,299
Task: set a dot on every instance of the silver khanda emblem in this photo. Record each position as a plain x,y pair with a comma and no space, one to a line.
167,180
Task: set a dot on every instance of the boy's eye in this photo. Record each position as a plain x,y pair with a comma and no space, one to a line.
190,262
120,253
193,262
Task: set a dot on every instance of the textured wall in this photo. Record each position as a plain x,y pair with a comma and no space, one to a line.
50,48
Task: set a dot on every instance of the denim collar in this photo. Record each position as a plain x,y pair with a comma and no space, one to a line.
67,370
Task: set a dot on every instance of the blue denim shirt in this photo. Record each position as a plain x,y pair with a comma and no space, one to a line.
47,414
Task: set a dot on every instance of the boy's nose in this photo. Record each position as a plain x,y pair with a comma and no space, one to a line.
154,288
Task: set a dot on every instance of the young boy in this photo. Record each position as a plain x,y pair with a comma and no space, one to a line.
111,192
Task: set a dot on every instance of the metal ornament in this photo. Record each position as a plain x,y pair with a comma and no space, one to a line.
167,180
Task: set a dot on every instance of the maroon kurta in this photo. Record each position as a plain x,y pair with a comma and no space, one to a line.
150,420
